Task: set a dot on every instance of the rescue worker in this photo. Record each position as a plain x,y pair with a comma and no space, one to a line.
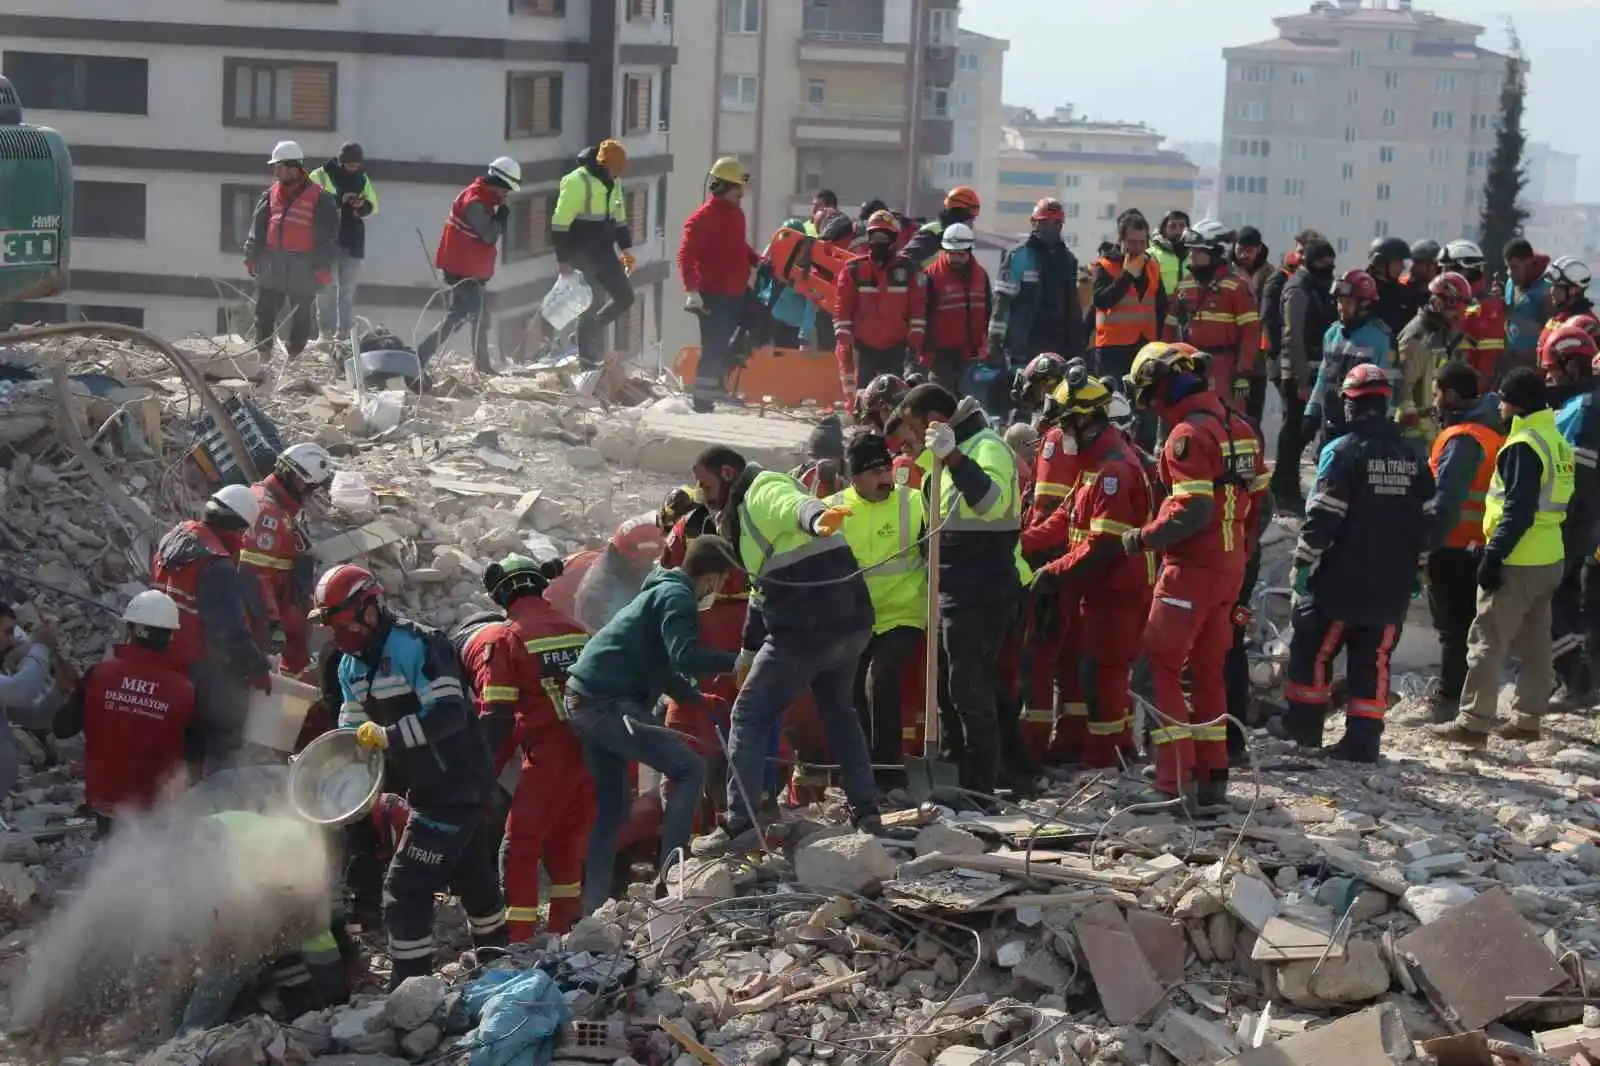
196,563
877,401
1569,354
613,577
1519,570
885,527
517,670
714,263
957,301
1359,336
1036,306
878,316
1034,384
137,715
823,474
1214,312
1462,461
1432,339
1130,304
274,551
1211,462
401,691
1307,312
1485,323
981,576
961,204
1168,250
1356,564
291,249
807,625
1386,262
1424,268
590,232
346,180
1527,300
1251,257
466,257
1569,279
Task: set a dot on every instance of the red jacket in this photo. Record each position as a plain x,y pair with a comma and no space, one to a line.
180,556
461,250
1111,496
880,305
714,258
1195,461
958,305
137,708
1483,332
271,547
518,672
1220,318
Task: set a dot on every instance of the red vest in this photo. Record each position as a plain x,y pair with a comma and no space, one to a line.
957,307
461,251
136,709
182,583
291,223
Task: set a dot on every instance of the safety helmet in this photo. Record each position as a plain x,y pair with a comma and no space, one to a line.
342,592
507,170
957,238
964,198
1463,253
882,395
1156,362
308,461
1450,288
1366,379
1565,344
1207,233
1046,368
612,155
1588,322
1388,250
517,574
730,170
153,609
1357,283
882,222
1425,251
1048,209
1569,270
679,502
235,501
1081,393
286,152
1120,411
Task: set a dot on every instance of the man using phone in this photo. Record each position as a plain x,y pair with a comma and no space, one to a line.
345,176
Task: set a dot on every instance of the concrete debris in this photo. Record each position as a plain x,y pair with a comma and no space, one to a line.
414,1003
854,862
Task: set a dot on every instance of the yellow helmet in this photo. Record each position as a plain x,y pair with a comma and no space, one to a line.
1081,393
729,169
1155,362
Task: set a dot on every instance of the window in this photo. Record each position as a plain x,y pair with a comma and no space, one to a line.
816,91
1383,191
739,92
533,105
1297,151
1386,153
1444,120
1250,146
1439,156
238,208
1342,245
554,8
1391,118
1352,96
1294,188
263,94
742,16
1444,84
1397,41
56,314
1300,76
529,226
1071,181
1109,211
1250,111
1347,172
1354,59
1490,84
963,98
1391,79
1380,228
942,26
1349,135
637,115
1344,208
1477,159
641,10
967,61
936,98
1254,73
59,82
1073,210
1482,122
113,210
1249,186
1438,195
1292,224
1300,114
638,204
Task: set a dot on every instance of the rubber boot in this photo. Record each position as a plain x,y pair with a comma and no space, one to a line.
1301,723
1360,742
1211,795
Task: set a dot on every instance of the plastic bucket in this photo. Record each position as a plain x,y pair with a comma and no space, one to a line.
335,781
274,720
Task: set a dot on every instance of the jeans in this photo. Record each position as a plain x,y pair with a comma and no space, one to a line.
466,299
269,305
336,303
608,747
717,326
973,637
603,270
881,685
778,675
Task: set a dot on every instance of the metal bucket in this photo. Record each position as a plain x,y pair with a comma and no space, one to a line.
335,781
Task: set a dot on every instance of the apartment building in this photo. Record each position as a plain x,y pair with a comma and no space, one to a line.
172,107
978,115
1096,170
1363,121
1552,175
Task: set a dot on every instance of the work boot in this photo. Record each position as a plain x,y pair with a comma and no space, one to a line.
1211,794
1360,743
1517,732
1457,732
1443,709
1289,502
1303,725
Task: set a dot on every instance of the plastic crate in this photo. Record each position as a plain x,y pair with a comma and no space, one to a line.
216,458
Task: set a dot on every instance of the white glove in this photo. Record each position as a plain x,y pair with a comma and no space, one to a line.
351,714
940,439
694,303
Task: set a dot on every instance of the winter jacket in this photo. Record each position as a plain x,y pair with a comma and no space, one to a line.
1425,345
1526,310
714,258
1308,312
271,551
927,241
1394,306
980,565
957,305
194,566
1344,348
352,229
1579,422
878,304
1459,460
269,249
1036,306
1216,315
1269,298
591,216
1484,337
1215,454
471,231
517,669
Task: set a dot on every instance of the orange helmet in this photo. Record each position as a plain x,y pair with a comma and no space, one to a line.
963,197
1049,209
342,592
1565,344
882,222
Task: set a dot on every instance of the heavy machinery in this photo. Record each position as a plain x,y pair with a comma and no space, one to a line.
36,208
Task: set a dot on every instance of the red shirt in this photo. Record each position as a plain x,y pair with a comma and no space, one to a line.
714,259
137,707
958,306
1197,456
522,663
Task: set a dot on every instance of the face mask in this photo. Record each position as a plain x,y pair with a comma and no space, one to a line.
350,641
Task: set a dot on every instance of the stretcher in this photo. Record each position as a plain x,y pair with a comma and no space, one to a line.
807,265
789,377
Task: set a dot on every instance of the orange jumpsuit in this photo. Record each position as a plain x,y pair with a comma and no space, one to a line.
518,671
1055,676
269,551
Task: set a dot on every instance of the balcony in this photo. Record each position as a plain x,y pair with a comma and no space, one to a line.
855,113
845,124
935,135
850,47
939,64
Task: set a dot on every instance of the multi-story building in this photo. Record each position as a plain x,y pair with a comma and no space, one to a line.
1362,122
1096,169
1552,175
171,111
1565,229
979,116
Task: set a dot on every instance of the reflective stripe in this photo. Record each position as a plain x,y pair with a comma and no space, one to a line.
1076,710
1542,543
1106,525
1042,715
501,693
411,734
411,949
1260,482
1305,693
272,562
1366,709
1050,489
1193,488
1209,732
522,914
561,643
1584,456
488,923
1106,729
1327,503
569,891
771,562
1169,734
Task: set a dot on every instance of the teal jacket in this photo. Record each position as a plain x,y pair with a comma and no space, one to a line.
650,647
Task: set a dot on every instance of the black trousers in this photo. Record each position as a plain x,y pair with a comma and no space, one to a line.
1575,616
466,301
973,638
878,690
1317,639
1236,668
444,847
1291,446
302,311
1453,601
870,362
613,296
946,368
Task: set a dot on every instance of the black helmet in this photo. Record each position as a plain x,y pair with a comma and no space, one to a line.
1389,250
1425,251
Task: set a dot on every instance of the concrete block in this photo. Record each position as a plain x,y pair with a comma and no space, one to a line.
1374,1037
1122,975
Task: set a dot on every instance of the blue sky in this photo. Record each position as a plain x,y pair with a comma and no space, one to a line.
1160,61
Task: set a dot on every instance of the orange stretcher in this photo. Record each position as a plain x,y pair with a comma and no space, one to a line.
789,377
807,265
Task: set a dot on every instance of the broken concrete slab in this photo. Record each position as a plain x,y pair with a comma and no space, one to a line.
1374,1037
1194,1041
1122,975
855,862
1163,942
1300,931
1252,901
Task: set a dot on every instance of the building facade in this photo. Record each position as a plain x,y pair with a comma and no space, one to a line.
1552,175
170,120
1361,122
979,116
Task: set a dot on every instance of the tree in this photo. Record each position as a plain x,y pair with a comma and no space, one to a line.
1502,216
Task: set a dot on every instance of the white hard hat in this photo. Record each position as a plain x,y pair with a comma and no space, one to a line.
507,170
240,500
151,608
1463,251
286,152
1210,231
958,237
1120,412
1569,270
308,461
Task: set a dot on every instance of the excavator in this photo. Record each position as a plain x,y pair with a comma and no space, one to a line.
36,210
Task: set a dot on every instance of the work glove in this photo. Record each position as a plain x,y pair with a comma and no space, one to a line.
1301,580
352,714
627,261
831,521
940,439
742,665
372,735
694,303
1133,542
1491,573
1310,425
250,267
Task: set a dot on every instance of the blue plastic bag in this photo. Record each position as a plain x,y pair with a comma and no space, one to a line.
518,1014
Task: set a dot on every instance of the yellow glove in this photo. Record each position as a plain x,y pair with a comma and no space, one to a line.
372,735
830,521
627,261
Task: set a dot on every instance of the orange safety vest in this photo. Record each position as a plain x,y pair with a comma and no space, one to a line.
1133,319
291,224
1468,530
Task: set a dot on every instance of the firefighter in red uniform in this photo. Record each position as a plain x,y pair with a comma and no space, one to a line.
518,672
291,249
1211,462
1569,279
1484,327
274,552
466,257
136,712
958,300
878,317
1214,312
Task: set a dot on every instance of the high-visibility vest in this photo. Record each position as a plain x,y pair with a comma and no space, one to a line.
1001,511
1133,319
883,536
291,222
583,197
1468,530
768,541
1541,544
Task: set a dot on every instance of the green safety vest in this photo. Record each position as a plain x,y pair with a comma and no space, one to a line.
584,198
883,537
1541,544
368,192
999,513
1173,269
770,534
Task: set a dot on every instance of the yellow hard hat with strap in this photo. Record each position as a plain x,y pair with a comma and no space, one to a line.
729,169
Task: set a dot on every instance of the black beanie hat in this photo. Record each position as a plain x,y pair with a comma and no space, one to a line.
1524,388
869,451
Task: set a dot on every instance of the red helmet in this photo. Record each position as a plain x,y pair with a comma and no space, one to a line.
1366,379
638,538
1565,344
1451,288
1049,209
882,222
964,197
1587,322
342,592
1357,283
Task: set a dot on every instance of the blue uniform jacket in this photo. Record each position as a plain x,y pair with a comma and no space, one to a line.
1343,349
1579,422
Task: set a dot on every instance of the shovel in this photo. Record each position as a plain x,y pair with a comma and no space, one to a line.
926,775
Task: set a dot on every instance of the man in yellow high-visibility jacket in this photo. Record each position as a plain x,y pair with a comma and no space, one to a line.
590,232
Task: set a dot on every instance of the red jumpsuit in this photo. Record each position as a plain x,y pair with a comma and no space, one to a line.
518,670
138,708
1221,319
1058,731
1191,618
269,553
1483,331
